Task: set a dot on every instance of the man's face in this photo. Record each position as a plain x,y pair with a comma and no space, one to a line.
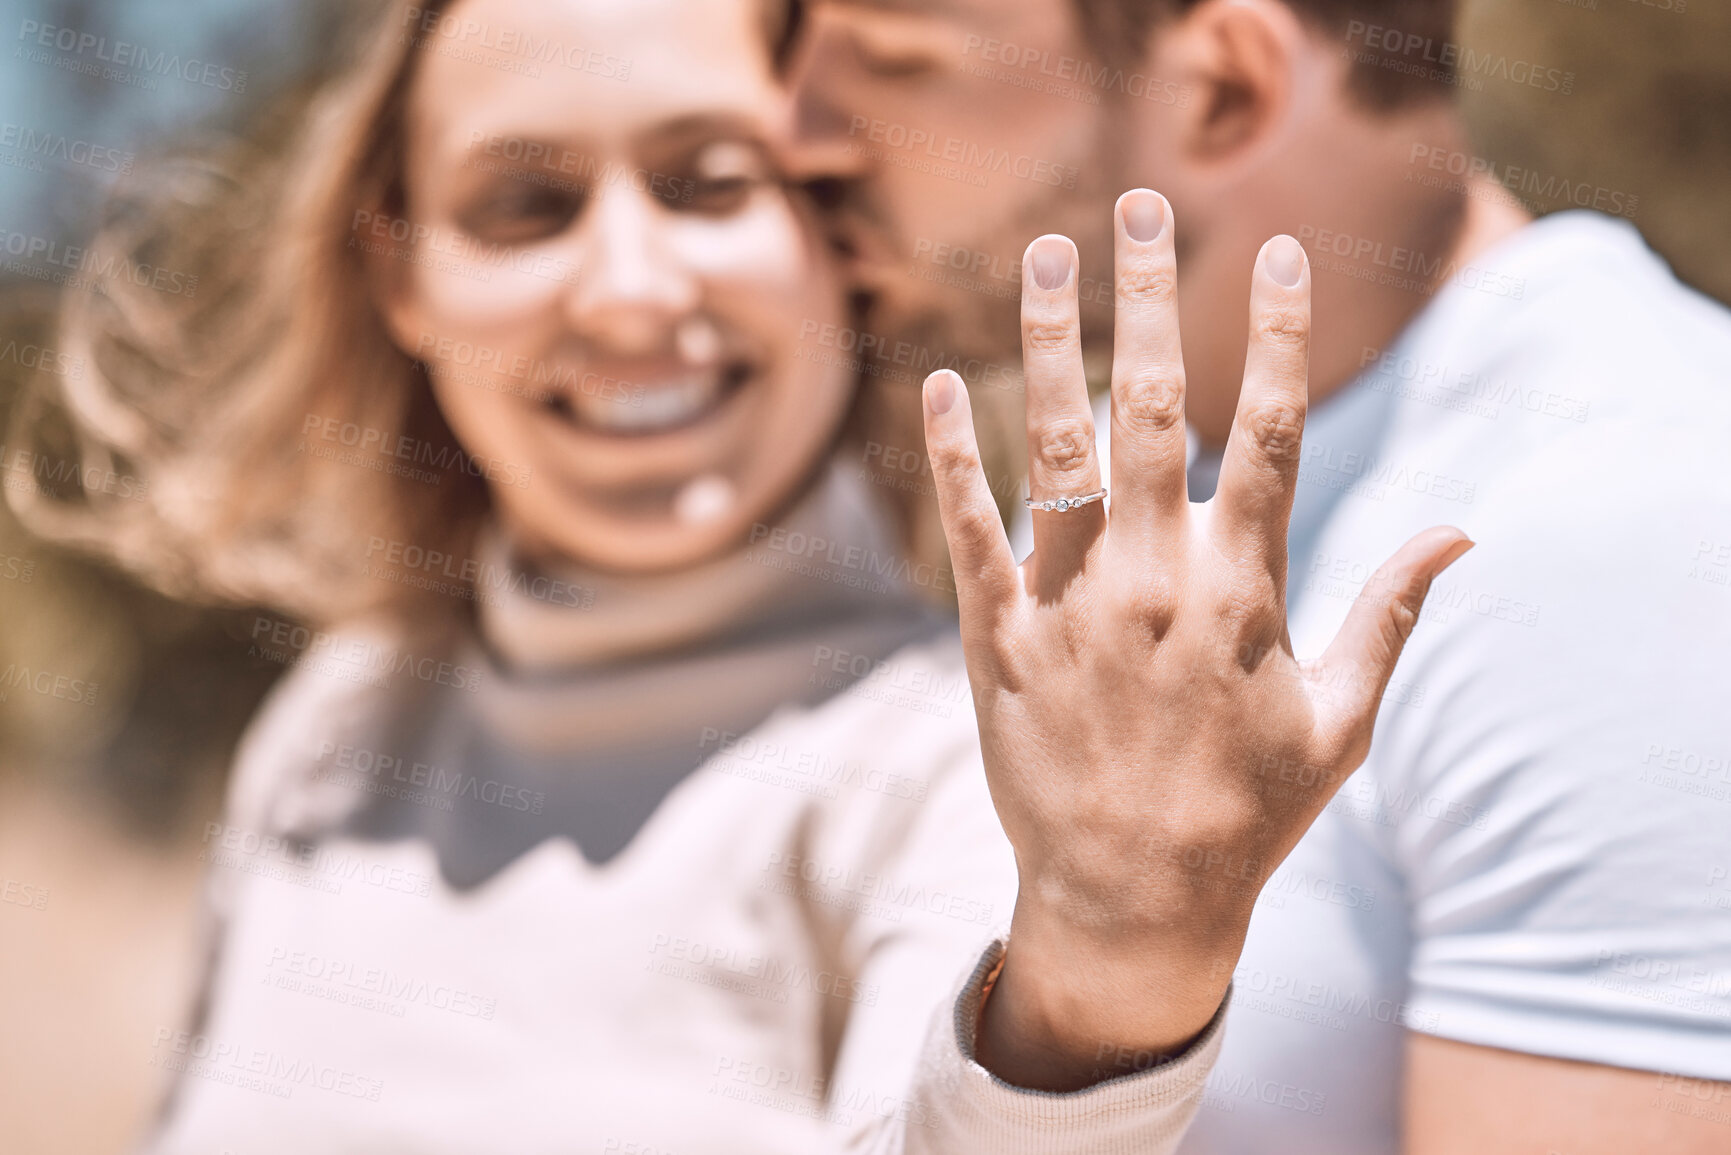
970,127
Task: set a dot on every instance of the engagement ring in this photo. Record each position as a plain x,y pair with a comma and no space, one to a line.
1061,504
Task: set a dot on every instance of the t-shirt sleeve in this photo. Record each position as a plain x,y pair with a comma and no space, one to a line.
1565,794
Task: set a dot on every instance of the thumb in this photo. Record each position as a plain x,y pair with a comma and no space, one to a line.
1362,656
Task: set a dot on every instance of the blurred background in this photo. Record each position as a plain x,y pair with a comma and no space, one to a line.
103,797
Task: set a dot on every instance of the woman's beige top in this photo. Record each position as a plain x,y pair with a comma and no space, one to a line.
697,865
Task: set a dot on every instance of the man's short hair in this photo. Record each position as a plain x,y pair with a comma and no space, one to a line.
1396,45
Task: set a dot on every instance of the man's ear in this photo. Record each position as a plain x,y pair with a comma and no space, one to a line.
1240,59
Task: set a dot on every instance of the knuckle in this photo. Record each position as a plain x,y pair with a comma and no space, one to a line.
1152,399
1402,619
1065,445
1212,830
1150,603
954,463
1250,609
1275,429
1146,286
1048,336
1403,597
1241,616
1342,752
1284,326
1004,658
971,529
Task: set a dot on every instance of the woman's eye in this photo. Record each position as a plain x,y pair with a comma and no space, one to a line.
521,211
720,178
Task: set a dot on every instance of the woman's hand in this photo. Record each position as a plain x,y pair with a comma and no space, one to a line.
1153,747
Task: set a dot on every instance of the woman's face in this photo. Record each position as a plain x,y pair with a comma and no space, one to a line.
608,283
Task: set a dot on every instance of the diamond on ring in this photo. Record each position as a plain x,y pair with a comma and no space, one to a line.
1065,504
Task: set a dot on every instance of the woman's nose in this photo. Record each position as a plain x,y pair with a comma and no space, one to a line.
631,289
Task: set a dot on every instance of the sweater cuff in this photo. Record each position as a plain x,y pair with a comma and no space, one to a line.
1142,1113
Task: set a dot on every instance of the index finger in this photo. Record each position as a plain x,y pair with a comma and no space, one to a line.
985,570
1253,503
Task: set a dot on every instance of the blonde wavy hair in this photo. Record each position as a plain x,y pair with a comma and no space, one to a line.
200,396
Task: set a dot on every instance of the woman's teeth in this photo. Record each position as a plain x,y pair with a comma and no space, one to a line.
650,408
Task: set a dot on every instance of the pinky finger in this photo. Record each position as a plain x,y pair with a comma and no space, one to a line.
985,569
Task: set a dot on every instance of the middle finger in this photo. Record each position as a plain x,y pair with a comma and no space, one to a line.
1150,495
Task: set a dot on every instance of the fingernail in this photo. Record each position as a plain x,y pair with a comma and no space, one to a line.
1144,214
941,391
1285,261
1456,552
1051,260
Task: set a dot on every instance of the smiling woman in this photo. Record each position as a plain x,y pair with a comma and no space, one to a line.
679,265
529,237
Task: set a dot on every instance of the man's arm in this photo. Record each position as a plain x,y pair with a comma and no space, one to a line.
1478,1100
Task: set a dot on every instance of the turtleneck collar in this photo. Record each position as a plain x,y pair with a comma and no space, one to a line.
832,553
602,707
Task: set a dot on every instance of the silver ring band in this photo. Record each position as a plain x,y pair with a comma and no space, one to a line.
1065,504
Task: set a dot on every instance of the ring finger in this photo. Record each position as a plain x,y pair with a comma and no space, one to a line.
1061,461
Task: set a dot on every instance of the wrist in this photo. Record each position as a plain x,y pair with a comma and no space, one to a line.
1065,1013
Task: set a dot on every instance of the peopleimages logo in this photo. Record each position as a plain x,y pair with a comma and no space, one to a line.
15,893
35,36
287,643
47,683
1410,52
867,348
955,150
42,359
77,267
345,980
403,557
521,43
1369,259
748,756
366,764
25,470
835,884
255,1068
1517,180
368,442
840,558
1070,75
1465,390
38,146
450,251
588,173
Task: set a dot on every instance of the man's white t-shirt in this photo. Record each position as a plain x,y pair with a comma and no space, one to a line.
1537,854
